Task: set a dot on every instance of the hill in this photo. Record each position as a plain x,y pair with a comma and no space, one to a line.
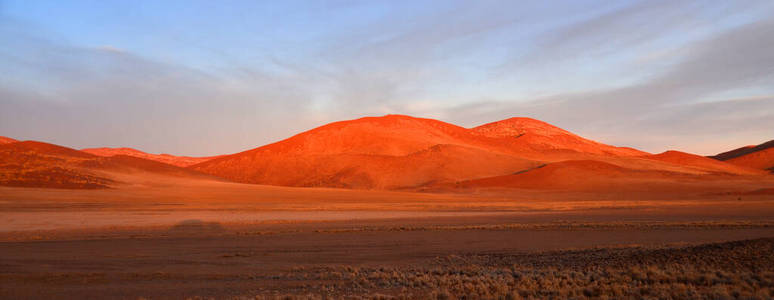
389,152
180,161
542,136
762,159
38,164
757,157
402,152
702,163
6,140
570,174
392,152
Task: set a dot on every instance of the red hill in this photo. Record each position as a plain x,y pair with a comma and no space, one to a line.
180,161
6,140
542,136
762,159
375,152
37,164
571,174
395,151
702,163
734,153
390,152
758,157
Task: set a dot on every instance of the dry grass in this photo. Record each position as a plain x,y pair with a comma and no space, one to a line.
731,270
645,225
735,270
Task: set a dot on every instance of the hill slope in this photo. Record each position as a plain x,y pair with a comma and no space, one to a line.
180,161
38,164
389,152
733,153
396,151
6,140
376,152
763,160
542,136
570,174
702,163
758,157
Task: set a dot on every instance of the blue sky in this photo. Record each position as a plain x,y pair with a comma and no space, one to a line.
214,77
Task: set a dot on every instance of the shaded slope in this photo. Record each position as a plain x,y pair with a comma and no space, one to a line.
180,161
702,163
744,151
571,174
758,157
38,164
436,163
733,153
762,159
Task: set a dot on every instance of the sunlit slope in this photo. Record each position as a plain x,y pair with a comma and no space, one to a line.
394,152
6,140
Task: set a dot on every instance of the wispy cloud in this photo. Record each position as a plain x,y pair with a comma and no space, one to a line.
650,74
96,96
670,110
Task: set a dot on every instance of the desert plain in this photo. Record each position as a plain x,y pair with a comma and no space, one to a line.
172,240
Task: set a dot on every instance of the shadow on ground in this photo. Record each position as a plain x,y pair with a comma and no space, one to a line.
195,226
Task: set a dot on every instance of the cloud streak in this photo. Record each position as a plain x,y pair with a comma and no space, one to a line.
672,109
694,76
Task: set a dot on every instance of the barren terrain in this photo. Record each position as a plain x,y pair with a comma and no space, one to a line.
179,238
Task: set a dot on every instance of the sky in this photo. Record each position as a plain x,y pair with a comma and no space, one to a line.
216,77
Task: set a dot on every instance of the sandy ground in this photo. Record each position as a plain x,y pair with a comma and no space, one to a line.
170,203
225,240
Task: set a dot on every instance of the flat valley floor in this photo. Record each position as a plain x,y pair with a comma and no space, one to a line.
227,241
